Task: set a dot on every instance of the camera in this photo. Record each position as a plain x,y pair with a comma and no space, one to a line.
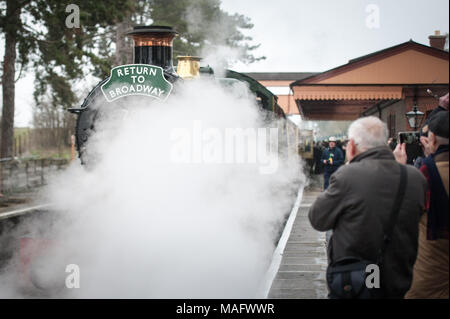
413,146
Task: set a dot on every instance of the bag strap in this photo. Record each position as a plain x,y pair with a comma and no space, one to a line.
394,212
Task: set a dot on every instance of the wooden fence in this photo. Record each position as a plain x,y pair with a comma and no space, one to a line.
19,175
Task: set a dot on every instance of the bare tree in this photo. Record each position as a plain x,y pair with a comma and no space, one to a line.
52,126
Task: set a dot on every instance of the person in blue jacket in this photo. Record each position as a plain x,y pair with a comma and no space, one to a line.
332,158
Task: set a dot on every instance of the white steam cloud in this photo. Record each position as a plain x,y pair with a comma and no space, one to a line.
217,31
139,224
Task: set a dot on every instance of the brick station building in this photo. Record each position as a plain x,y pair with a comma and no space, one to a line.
386,84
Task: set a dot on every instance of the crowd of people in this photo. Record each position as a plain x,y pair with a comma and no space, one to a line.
381,210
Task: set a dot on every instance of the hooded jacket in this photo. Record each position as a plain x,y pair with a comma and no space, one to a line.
356,207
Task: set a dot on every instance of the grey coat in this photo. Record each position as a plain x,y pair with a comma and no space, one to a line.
356,207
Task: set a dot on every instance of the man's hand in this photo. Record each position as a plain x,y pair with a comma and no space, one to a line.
426,146
325,162
400,153
443,101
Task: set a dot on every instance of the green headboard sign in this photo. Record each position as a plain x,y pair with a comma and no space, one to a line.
136,79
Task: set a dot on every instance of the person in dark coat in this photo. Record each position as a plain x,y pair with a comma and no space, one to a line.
442,107
332,158
317,159
431,275
359,199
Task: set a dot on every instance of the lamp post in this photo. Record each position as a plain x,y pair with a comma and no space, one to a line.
414,117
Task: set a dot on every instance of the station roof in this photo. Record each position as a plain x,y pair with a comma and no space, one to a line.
344,92
371,58
280,76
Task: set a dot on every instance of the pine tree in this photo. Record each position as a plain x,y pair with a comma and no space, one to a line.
203,24
37,37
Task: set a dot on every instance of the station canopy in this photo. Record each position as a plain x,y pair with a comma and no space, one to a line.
345,92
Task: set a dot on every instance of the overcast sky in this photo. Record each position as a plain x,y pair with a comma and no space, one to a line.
306,35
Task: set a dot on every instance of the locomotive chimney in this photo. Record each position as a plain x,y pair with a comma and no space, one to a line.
154,45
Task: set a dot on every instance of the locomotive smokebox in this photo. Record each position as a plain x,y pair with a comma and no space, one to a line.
154,45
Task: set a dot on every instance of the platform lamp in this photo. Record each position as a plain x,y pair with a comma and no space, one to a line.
414,117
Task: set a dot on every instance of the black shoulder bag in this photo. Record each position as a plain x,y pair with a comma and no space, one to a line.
346,277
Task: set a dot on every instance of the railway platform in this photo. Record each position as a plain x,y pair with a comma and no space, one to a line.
303,260
19,203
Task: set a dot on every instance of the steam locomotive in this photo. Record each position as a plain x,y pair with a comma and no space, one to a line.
153,45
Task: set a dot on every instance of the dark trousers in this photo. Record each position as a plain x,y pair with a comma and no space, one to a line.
326,178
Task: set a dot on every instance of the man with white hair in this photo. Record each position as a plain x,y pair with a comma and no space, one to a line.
358,206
